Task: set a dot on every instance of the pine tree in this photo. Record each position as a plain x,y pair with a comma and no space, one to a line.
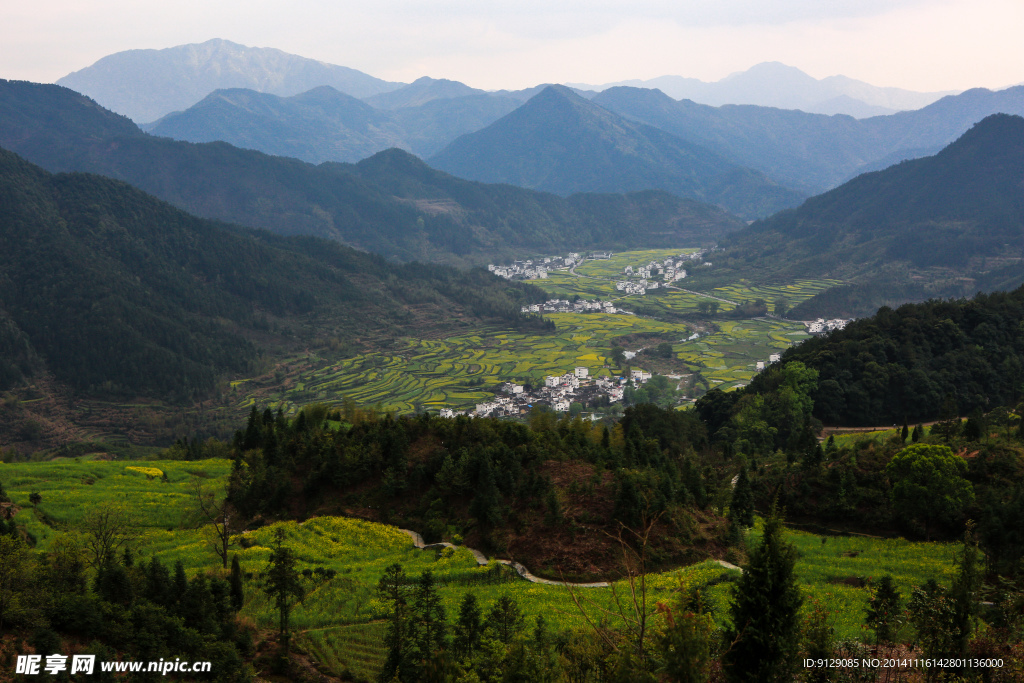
884,610
468,627
237,592
905,433
964,591
506,619
431,621
918,434
400,638
741,506
763,638
158,583
282,583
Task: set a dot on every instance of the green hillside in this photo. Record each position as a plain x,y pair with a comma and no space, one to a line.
119,292
947,225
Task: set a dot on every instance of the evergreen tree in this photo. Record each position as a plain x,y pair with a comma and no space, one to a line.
906,431
180,583
158,583
431,621
883,611
486,505
964,591
628,503
282,583
506,619
918,434
763,638
830,445
741,505
237,592
468,627
400,638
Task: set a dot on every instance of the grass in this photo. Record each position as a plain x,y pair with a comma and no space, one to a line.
339,623
827,566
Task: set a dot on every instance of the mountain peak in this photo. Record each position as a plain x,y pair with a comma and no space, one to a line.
147,84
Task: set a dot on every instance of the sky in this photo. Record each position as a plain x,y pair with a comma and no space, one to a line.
924,45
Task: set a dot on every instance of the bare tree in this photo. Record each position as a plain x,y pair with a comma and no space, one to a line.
220,518
108,528
632,610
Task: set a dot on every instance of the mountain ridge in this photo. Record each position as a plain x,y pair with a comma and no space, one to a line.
64,131
562,143
147,84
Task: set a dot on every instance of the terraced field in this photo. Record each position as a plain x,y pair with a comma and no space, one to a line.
340,621
612,268
461,371
728,358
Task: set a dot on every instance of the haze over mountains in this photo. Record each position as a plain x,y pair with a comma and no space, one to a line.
324,124
147,84
812,152
772,84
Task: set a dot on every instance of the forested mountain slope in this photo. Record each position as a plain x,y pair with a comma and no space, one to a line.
812,152
951,224
113,290
560,142
64,131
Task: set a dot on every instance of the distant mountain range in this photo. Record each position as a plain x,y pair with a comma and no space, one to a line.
772,84
147,84
812,152
946,225
392,204
563,143
324,124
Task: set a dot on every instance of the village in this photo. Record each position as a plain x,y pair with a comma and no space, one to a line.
558,392
577,306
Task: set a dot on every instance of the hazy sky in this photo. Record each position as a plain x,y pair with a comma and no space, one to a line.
915,44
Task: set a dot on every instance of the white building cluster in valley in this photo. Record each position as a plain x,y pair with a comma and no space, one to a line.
558,391
821,326
579,306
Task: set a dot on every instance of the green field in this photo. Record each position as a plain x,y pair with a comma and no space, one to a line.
340,620
728,357
463,370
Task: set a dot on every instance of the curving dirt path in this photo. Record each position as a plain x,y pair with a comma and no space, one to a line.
482,560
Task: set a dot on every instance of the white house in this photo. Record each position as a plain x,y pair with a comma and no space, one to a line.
774,358
581,373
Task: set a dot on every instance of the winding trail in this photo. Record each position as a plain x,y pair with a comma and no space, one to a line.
481,559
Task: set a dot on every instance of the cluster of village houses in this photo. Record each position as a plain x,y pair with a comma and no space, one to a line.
538,269
558,392
670,270
579,306
820,326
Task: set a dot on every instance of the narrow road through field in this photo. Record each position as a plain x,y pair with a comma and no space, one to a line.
481,560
